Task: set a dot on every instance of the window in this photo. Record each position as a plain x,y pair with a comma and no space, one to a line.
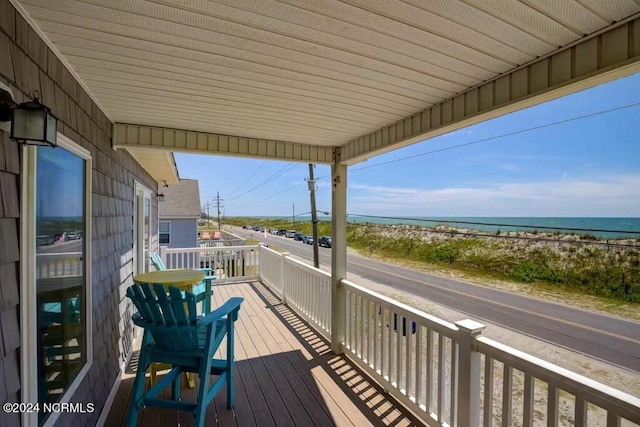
165,232
57,294
141,228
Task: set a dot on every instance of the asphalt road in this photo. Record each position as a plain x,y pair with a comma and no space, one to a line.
603,337
70,246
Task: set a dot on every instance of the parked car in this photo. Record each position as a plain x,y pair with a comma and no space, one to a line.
291,233
324,241
274,231
74,235
282,232
256,228
298,236
308,240
44,240
247,227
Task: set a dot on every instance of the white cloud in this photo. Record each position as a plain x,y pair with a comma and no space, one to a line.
603,196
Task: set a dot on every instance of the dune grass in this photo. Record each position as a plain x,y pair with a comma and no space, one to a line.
609,272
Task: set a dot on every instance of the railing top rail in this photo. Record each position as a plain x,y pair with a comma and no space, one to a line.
437,324
608,398
220,248
311,268
58,254
269,250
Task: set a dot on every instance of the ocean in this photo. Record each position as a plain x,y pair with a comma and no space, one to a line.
616,228
606,228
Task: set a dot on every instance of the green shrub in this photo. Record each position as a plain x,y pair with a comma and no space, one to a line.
530,271
612,273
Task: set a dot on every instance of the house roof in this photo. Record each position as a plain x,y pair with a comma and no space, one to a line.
181,199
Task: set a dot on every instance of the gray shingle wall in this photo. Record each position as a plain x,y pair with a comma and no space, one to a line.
27,64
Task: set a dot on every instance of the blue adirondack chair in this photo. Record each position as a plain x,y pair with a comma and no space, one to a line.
179,337
202,291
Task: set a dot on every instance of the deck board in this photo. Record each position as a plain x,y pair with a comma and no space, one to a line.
286,375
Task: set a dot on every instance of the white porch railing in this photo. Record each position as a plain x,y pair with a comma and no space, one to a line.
446,372
58,264
412,354
229,263
567,395
308,291
272,269
221,242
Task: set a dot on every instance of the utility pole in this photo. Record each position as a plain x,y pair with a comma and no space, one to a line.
218,206
206,209
314,216
293,216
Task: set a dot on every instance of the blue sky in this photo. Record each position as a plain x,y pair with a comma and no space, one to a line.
587,167
60,183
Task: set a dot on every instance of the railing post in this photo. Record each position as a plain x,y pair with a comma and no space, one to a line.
163,255
468,381
283,277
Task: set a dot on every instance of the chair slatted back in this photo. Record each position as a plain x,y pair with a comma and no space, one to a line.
157,262
172,327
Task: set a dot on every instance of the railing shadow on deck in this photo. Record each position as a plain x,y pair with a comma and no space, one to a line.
368,396
251,399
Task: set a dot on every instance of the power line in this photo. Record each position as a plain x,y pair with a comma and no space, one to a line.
293,187
266,181
282,192
596,230
250,176
453,147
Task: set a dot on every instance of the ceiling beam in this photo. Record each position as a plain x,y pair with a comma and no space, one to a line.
604,56
186,141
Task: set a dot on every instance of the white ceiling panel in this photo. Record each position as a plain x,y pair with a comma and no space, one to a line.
318,72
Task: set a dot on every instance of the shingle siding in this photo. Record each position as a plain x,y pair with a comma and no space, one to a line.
27,64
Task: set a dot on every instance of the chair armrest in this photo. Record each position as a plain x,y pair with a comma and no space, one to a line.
205,270
210,278
231,307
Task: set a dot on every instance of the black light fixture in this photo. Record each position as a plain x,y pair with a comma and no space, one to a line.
33,124
160,196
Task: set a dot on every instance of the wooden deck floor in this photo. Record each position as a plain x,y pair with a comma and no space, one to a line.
286,375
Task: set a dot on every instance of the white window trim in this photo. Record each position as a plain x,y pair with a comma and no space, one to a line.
164,232
28,294
138,233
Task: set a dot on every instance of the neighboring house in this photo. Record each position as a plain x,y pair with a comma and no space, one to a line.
179,214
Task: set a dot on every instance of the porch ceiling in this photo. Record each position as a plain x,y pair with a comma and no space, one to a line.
317,72
160,164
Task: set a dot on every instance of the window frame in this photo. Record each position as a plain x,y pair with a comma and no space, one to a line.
142,192
28,295
164,232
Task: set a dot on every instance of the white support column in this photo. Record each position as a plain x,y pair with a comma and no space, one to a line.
468,384
338,252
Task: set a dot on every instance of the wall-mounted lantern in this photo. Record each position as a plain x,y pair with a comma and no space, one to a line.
160,196
33,124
